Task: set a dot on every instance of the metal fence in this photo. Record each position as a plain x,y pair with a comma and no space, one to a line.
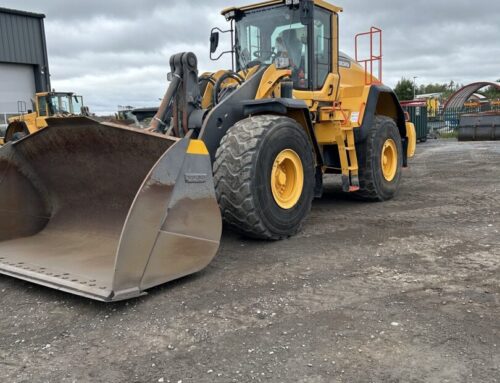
447,122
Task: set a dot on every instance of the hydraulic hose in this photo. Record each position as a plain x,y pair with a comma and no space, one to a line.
230,74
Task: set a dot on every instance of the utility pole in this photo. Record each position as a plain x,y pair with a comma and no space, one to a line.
415,87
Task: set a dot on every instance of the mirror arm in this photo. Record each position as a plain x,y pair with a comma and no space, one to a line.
232,43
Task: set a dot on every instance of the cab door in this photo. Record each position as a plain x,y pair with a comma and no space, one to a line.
322,77
42,110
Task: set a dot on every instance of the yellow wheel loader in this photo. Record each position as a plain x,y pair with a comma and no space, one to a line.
108,212
47,104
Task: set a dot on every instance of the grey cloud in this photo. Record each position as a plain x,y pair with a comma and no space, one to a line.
116,52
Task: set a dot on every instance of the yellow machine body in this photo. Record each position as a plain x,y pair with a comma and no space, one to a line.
340,106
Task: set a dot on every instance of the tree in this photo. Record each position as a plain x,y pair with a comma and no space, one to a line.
405,89
433,88
492,92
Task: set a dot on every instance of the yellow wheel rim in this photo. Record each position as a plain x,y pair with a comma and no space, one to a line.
287,179
389,160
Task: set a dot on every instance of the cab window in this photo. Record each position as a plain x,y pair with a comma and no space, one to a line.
77,104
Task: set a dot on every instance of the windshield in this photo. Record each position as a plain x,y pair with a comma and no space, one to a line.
60,104
265,34
65,104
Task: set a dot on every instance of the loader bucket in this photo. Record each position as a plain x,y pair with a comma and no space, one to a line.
483,126
104,211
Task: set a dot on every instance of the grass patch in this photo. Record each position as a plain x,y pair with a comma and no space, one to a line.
449,135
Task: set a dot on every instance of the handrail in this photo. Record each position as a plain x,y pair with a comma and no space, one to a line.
368,63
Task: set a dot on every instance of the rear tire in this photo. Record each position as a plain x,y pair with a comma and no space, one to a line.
245,165
375,185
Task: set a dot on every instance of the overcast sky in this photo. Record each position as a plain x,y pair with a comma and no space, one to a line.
116,52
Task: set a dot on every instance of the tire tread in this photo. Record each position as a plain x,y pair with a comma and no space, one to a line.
234,169
368,188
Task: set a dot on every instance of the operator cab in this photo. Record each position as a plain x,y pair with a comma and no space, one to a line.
59,103
293,35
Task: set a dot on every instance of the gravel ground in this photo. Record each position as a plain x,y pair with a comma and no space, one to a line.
404,291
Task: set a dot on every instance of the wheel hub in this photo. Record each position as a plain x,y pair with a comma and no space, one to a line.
281,177
389,159
287,179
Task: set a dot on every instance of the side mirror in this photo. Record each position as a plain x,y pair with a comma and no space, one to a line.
214,41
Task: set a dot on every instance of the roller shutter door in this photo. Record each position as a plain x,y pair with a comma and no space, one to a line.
17,83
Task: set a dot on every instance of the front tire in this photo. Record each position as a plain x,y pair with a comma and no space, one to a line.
380,159
15,131
264,177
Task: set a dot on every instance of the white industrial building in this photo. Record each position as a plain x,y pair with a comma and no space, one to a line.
24,67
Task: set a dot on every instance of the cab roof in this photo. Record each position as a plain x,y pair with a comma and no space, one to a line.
263,4
55,93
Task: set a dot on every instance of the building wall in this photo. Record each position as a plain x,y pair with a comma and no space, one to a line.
24,67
